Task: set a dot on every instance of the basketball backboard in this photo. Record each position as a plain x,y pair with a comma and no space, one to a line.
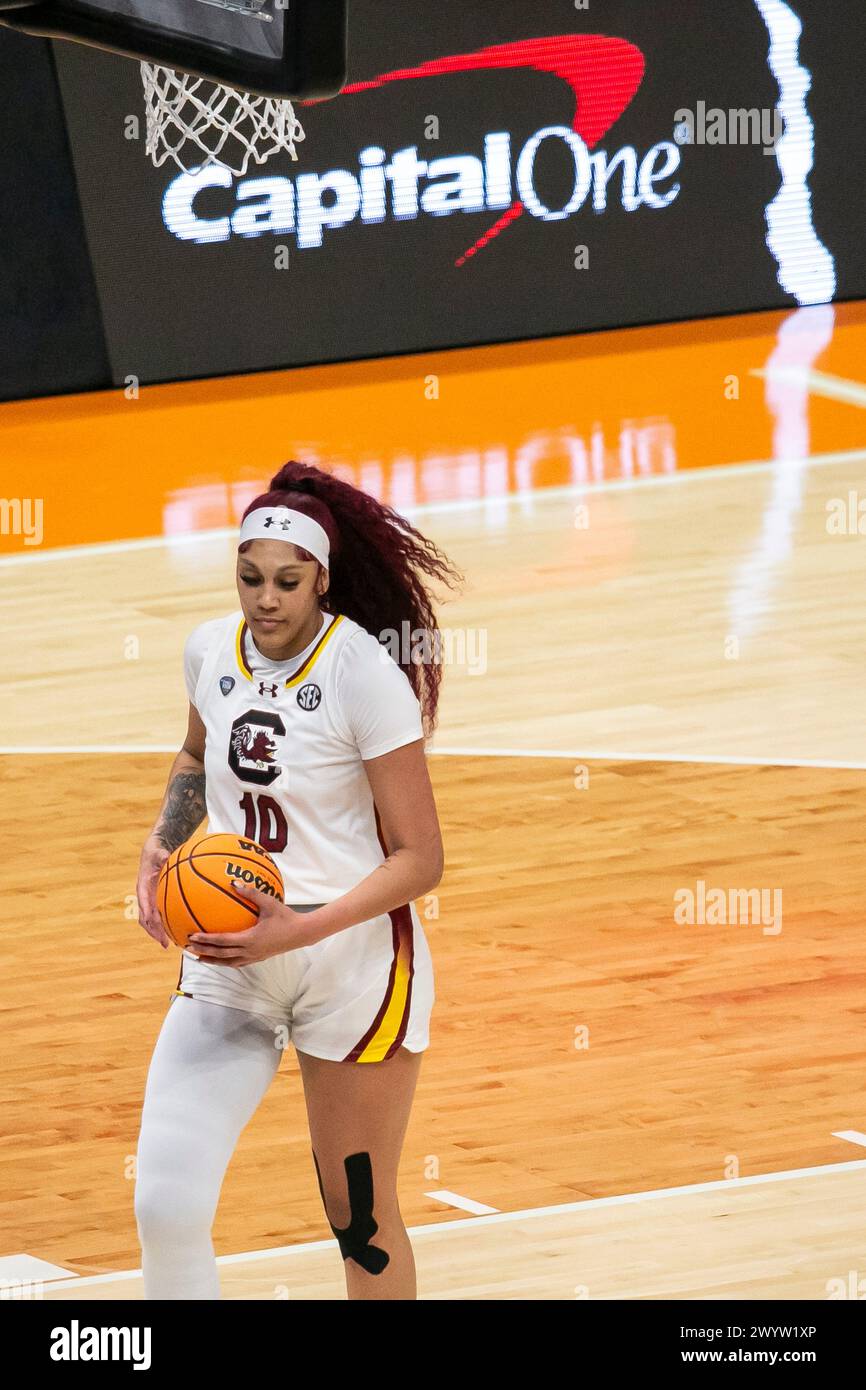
274,48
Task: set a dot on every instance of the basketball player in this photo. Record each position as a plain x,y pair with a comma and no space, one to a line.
305,735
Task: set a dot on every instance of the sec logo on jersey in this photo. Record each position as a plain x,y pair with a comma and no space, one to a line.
309,697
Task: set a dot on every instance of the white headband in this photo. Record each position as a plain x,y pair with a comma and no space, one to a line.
285,524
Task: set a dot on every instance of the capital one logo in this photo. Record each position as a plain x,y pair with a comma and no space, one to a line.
603,74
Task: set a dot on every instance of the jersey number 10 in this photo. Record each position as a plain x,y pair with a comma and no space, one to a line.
264,822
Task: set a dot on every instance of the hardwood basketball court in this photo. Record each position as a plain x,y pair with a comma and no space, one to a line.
656,684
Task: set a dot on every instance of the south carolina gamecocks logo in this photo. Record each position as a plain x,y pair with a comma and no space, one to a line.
252,749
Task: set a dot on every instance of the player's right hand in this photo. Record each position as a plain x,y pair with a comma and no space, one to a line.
153,856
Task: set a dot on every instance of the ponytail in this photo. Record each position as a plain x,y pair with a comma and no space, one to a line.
378,566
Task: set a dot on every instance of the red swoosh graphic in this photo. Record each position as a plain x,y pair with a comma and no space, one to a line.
603,73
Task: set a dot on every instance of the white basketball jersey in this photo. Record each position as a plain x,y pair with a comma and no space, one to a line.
285,747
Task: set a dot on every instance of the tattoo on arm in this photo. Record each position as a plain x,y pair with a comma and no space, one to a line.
185,809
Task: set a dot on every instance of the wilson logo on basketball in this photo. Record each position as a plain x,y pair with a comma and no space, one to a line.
247,876
252,848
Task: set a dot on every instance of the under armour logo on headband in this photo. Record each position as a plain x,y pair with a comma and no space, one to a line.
267,522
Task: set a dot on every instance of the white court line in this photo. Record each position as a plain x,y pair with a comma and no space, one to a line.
854,1135
93,748
31,1269
454,1199
835,388
618,756
576,755
682,475
591,1204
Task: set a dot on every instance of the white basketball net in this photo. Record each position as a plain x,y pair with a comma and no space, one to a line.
197,122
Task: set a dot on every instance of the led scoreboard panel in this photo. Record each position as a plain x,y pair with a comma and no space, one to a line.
489,172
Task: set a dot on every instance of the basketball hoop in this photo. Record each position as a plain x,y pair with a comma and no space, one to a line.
219,76
198,122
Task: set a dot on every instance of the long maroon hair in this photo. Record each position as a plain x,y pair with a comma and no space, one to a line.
378,565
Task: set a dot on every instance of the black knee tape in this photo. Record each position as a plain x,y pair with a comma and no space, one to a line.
354,1239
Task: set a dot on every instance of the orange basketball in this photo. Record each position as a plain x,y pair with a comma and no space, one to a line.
194,891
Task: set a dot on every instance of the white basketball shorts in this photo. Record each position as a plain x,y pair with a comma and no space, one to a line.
356,996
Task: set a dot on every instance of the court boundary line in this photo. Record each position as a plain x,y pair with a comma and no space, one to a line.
618,756
589,755
825,384
682,475
528,1213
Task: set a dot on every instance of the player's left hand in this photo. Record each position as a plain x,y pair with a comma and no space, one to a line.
278,929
